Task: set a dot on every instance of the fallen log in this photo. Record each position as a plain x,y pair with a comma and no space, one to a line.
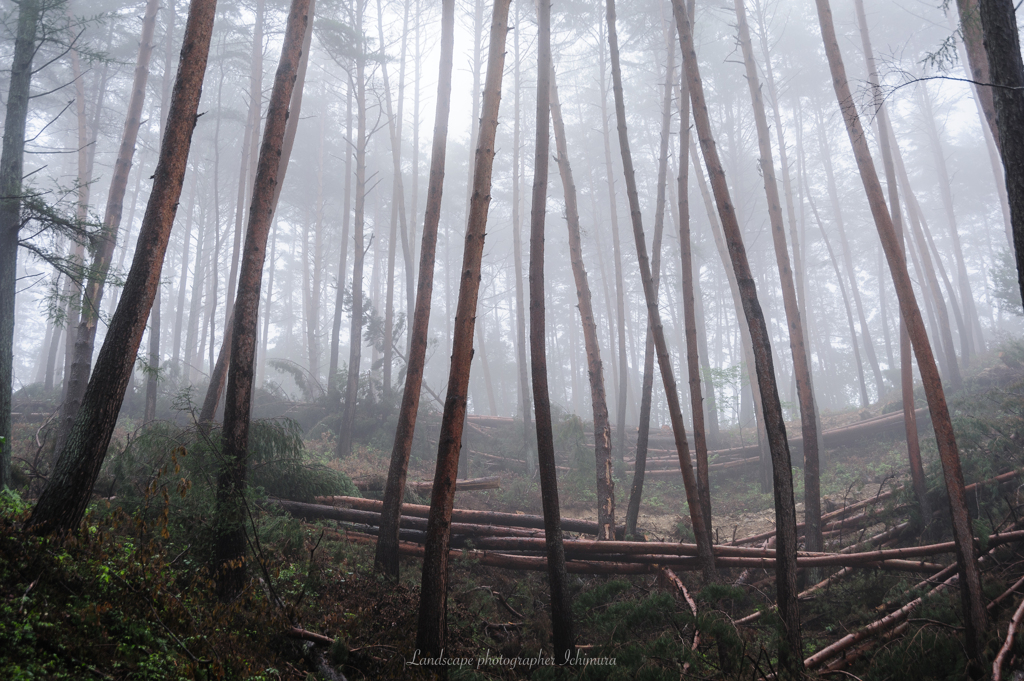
468,516
997,665
881,496
512,562
350,515
376,484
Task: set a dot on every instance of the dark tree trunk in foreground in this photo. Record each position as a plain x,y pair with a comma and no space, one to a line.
595,369
561,606
432,631
975,616
791,645
85,335
797,343
1002,44
703,537
231,537
11,164
977,59
66,495
386,557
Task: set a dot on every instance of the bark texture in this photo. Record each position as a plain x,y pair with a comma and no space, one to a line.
66,495
975,618
791,646
653,313
432,631
386,556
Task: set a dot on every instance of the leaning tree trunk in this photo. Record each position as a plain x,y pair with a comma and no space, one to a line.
791,646
432,631
703,537
386,557
595,370
229,569
11,163
886,139
797,342
561,605
219,372
66,495
975,616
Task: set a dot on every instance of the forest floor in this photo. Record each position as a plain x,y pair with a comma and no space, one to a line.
130,598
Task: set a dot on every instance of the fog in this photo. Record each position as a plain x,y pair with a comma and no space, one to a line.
844,285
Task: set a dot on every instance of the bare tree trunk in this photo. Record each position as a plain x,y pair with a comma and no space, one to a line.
975,615
977,61
332,370
218,373
595,369
11,165
703,537
344,445
741,322
887,139
397,211
622,375
229,567
386,556
153,361
976,340
66,495
647,387
92,296
791,647
847,255
517,262
797,344
432,631
561,605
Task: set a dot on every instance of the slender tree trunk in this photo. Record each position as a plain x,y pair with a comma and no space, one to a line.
887,139
432,631
976,341
231,509
218,373
11,165
66,495
595,369
397,211
153,361
561,605
517,263
703,537
386,557
747,350
797,344
647,387
975,615
620,304
791,646
847,256
344,445
339,299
